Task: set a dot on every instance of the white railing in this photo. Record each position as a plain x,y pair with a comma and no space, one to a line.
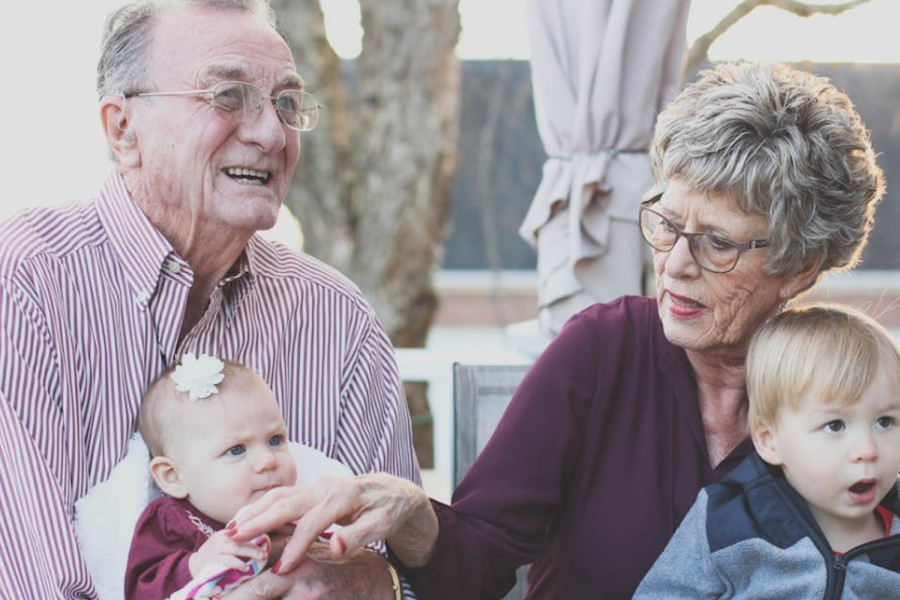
435,366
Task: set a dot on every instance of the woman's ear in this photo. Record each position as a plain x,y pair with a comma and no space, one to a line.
766,445
800,282
166,476
120,136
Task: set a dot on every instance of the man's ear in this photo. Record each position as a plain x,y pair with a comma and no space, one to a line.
766,445
166,476
120,135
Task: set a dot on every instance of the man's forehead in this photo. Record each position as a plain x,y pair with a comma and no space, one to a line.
231,71
229,42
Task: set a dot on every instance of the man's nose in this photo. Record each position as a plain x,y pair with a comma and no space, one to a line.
264,128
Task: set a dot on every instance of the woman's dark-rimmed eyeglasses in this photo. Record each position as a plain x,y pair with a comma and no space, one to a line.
711,252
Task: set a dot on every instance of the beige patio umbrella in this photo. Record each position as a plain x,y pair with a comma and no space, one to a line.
601,71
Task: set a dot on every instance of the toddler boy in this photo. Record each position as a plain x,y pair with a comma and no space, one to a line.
813,513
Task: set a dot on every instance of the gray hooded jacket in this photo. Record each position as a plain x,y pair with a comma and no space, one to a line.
752,536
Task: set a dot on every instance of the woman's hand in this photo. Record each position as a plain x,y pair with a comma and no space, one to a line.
369,508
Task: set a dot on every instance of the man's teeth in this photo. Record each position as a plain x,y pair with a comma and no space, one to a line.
247,174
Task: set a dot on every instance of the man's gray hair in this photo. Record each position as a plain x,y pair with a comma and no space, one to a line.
782,143
129,31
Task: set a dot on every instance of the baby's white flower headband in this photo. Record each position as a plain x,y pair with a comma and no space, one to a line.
198,375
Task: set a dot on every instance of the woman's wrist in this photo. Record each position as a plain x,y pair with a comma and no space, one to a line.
404,512
414,543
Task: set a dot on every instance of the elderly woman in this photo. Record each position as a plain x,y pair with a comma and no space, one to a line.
766,181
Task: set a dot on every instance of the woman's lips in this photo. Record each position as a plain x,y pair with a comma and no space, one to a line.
682,306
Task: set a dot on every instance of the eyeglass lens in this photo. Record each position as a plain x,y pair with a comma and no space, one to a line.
711,252
243,101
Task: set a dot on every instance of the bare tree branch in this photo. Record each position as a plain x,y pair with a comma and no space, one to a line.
698,52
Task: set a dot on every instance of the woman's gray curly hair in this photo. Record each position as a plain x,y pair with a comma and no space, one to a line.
129,31
782,143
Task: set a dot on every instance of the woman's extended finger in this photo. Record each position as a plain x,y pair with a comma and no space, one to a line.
371,526
277,508
341,500
370,508
392,508
263,505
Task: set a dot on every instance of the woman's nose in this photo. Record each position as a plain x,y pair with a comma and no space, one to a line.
680,259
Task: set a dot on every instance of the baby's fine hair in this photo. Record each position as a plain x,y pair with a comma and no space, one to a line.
835,351
160,404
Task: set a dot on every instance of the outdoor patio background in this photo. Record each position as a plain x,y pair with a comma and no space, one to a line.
501,157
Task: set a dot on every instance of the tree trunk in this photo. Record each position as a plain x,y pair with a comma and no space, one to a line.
372,189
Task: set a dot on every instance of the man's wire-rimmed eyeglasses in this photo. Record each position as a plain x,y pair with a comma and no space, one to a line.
241,102
711,252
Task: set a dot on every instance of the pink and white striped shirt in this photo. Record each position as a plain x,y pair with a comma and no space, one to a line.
91,302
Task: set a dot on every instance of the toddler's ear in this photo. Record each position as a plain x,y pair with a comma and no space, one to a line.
766,445
166,477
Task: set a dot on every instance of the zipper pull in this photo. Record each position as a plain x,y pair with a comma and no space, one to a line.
839,563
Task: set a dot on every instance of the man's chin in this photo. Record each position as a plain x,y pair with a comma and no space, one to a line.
257,214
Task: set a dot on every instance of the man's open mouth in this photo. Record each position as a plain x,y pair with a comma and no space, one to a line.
245,175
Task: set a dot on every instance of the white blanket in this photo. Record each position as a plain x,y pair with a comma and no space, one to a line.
106,516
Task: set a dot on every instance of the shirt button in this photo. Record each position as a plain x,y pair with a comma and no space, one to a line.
143,298
173,267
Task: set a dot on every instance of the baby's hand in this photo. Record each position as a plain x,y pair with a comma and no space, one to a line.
219,549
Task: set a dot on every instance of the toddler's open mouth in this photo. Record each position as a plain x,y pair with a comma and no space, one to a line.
863,491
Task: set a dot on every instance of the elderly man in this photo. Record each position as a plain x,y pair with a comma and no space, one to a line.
201,105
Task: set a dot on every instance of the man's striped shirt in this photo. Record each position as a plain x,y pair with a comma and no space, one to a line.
91,303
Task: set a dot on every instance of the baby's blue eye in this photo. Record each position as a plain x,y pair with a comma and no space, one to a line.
276,440
236,450
835,426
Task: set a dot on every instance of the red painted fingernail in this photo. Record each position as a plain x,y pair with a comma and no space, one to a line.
342,547
231,532
232,525
276,566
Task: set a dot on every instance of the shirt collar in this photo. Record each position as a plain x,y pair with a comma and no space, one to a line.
141,248
138,244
